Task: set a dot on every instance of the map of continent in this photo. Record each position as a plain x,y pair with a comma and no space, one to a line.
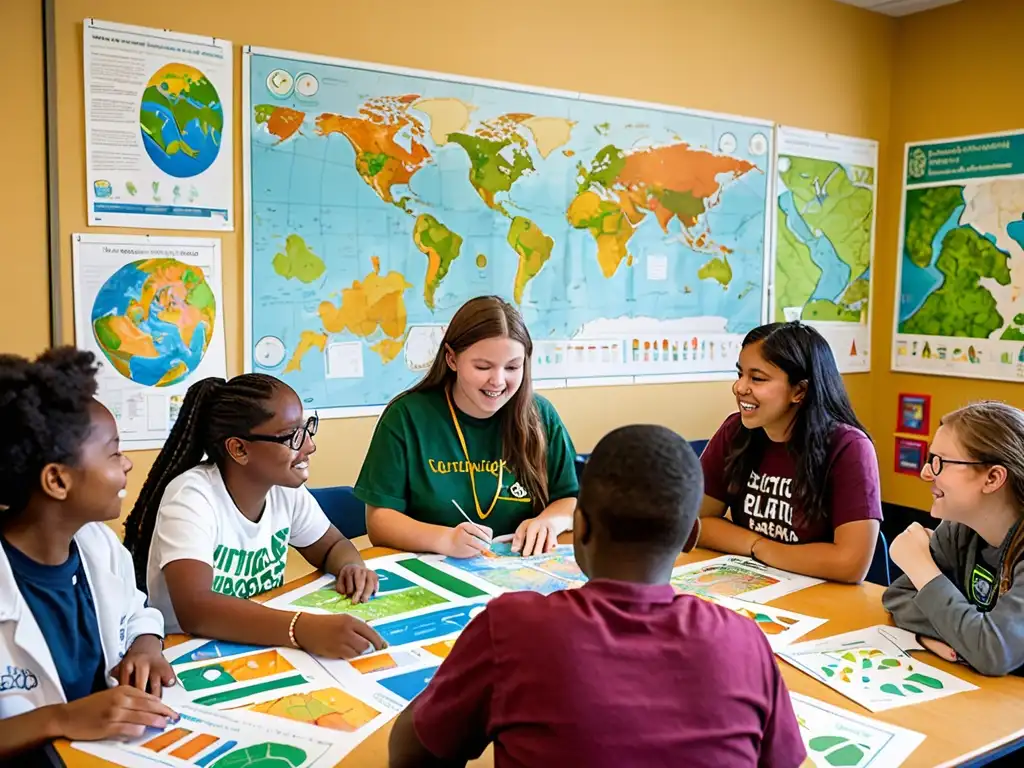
960,243
382,201
823,253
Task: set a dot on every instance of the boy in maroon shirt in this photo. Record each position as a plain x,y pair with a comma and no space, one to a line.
622,671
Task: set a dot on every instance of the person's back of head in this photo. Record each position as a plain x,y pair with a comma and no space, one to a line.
641,490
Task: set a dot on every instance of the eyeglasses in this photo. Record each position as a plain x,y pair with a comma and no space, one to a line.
936,463
293,439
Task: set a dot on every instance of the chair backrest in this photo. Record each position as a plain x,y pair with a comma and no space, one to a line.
343,509
879,573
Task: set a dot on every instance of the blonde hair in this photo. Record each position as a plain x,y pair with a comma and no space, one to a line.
992,432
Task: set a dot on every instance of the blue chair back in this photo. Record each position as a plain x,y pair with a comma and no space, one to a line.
343,509
879,573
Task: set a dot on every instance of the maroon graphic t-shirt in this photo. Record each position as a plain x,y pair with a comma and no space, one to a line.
768,506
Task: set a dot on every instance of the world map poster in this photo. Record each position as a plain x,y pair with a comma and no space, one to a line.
824,238
633,237
959,308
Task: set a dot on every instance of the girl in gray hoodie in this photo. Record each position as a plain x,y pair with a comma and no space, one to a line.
962,590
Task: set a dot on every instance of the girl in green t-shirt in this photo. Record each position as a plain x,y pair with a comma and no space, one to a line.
471,452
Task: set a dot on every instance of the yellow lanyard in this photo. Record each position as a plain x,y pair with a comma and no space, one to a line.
472,475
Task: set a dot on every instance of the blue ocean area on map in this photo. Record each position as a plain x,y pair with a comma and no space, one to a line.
516,204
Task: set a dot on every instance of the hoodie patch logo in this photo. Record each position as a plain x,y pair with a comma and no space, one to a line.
982,587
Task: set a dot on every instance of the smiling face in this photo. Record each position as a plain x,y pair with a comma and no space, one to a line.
488,375
959,490
763,393
95,485
277,463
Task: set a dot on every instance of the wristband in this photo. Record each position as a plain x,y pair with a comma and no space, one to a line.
291,630
752,548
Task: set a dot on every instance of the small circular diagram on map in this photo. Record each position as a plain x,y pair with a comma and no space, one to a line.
280,83
269,352
758,144
727,143
306,85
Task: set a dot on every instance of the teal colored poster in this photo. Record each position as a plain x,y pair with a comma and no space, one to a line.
631,236
959,306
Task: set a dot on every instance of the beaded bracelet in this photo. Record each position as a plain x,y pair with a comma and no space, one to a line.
291,630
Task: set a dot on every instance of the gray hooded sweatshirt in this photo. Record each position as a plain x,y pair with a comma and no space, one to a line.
964,607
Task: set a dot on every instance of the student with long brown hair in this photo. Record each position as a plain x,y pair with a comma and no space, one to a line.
963,585
473,438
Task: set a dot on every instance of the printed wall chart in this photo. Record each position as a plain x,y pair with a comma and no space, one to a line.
824,238
959,306
632,236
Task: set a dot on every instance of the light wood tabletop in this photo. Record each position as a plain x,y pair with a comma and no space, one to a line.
957,728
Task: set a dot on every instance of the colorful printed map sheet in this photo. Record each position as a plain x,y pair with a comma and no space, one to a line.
205,738
780,627
500,571
835,738
873,668
742,577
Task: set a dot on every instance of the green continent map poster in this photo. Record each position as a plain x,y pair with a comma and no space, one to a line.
824,238
959,309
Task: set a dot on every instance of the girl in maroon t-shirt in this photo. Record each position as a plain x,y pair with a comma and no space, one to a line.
794,467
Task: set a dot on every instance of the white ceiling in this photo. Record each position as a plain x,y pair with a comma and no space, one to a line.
898,7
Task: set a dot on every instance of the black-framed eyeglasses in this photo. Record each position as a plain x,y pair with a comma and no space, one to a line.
936,463
293,439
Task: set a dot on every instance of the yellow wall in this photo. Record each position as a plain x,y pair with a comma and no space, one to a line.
24,260
957,72
740,56
672,52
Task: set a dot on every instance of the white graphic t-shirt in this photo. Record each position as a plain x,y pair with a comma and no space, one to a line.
198,520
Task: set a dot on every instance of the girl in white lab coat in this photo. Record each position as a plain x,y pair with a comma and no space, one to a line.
80,653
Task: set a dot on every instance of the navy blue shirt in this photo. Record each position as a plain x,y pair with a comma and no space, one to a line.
61,602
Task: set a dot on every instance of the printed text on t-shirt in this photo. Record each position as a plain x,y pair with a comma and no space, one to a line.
244,573
767,505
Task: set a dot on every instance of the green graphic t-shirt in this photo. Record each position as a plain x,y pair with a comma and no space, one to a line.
416,464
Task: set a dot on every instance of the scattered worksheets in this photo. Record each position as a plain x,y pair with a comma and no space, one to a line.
872,667
282,682
208,739
734,576
400,590
779,626
834,737
500,571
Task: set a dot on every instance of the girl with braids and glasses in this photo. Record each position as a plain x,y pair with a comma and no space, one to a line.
962,588
471,452
78,646
794,467
207,532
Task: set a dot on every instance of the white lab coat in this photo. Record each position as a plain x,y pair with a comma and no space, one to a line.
28,676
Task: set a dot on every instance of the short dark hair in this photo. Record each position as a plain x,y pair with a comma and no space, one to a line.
44,417
643,485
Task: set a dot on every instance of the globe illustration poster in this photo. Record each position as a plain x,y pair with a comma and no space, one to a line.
153,320
182,120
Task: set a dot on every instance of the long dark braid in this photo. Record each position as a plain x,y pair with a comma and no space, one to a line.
213,411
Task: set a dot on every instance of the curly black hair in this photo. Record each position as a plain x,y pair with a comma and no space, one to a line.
44,417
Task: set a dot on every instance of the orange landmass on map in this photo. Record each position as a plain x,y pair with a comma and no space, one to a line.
610,224
284,122
674,181
168,289
308,340
381,161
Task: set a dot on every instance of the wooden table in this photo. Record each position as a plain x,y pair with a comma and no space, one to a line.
958,728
